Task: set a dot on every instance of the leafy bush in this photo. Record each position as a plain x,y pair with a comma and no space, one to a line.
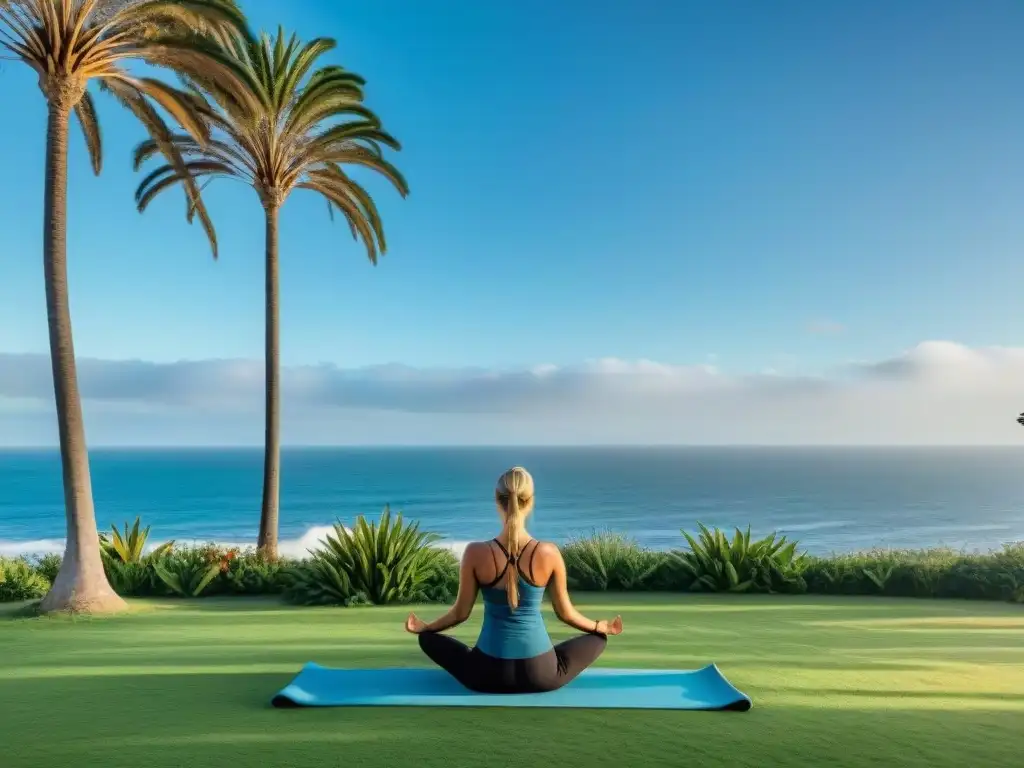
196,571
250,573
132,579
921,573
715,564
610,561
47,566
188,572
318,582
130,569
441,584
392,561
20,581
385,562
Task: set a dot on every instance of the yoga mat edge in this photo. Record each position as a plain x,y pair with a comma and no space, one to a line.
705,689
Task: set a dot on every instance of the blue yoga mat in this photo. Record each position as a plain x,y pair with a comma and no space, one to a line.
704,689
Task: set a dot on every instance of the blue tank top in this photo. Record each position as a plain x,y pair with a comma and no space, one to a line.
508,634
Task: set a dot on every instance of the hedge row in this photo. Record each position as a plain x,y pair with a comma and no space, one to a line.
391,561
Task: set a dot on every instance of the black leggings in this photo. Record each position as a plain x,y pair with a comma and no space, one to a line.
486,674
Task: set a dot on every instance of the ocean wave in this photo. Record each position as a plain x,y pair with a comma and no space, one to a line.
31,548
456,547
292,548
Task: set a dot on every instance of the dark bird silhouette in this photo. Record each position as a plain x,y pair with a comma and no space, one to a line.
1020,419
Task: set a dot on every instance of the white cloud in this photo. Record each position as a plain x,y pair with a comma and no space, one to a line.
935,393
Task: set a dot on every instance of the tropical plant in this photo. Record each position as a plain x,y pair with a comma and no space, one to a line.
608,560
70,43
387,562
187,576
292,127
319,582
129,568
20,581
129,546
715,564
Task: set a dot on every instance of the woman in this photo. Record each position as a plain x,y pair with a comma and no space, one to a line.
513,653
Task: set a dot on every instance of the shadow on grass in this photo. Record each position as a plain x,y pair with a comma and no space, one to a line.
208,719
951,630
877,693
14,611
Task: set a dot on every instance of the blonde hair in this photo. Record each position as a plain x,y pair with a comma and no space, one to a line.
514,494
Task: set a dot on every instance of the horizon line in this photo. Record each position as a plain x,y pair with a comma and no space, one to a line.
518,446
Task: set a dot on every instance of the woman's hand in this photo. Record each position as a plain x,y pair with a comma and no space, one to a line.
613,627
414,625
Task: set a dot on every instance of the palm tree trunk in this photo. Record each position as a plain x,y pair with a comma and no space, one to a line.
81,584
267,542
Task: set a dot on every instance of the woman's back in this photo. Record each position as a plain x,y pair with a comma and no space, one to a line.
507,632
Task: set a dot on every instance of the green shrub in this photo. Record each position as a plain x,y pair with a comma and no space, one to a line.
130,546
861,573
47,566
318,582
130,569
392,561
250,573
1009,565
195,571
441,584
713,563
610,561
20,581
132,579
188,571
385,562
920,573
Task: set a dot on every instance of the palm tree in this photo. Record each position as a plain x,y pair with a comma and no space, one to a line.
295,127
70,43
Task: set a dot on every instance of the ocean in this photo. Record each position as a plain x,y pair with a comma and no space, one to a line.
831,499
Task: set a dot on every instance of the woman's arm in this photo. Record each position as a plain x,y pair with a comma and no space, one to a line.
565,610
463,607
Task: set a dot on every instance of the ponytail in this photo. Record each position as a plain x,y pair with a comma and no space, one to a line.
514,494
515,528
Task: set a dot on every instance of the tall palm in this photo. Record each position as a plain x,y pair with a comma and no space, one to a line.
296,126
69,44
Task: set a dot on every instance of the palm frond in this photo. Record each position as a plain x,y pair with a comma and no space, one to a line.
70,43
136,102
85,111
279,123
180,105
167,176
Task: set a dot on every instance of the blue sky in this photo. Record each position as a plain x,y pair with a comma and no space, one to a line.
784,189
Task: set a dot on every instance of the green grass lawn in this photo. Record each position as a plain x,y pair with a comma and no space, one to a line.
835,682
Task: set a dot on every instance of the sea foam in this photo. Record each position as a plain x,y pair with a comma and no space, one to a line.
291,548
